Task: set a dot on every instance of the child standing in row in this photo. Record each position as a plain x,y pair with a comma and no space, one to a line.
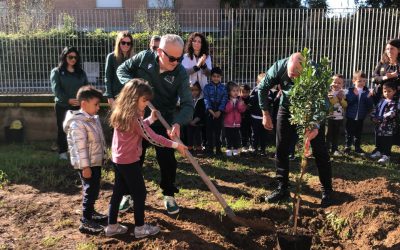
385,119
87,153
359,104
195,126
245,126
232,121
337,105
129,129
215,98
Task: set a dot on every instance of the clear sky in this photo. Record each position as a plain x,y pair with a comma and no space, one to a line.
341,3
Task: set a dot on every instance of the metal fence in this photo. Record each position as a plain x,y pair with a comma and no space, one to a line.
243,42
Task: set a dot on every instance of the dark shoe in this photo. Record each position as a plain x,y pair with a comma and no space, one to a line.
90,227
209,152
292,157
98,217
218,151
326,200
346,150
360,151
277,195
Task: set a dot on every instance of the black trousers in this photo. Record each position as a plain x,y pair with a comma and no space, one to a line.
260,134
353,132
384,144
284,135
245,131
167,162
333,133
90,192
213,131
61,136
232,138
193,135
128,180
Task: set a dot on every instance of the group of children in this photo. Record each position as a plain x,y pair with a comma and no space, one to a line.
226,111
355,104
88,152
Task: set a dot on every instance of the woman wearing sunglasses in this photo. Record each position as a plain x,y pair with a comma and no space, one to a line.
122,51
197,59
65,80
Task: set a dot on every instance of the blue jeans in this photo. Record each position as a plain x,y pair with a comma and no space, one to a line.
90,192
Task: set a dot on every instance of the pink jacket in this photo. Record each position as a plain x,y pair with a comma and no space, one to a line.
127,146
232,117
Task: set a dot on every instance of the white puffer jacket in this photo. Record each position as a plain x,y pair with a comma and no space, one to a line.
85,140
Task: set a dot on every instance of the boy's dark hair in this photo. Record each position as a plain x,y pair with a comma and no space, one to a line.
391,85
245,87
359,73
216,70
88,92
196,84
338,76
230,85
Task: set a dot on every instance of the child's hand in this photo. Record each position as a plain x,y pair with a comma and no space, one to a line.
340,95
182,149
355,91
391,75
217,114
371,93
153,115
87,172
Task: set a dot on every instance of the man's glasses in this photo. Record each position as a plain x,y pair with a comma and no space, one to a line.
72,57
173,59
126,43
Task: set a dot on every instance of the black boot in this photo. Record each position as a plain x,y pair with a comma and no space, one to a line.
326,199
279,194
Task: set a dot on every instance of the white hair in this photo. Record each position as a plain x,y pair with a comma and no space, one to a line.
171,38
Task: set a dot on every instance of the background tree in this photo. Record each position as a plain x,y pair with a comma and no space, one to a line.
378,3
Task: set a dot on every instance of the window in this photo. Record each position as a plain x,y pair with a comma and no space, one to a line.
109,3
160,4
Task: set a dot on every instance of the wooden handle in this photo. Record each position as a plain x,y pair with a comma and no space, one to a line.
228,210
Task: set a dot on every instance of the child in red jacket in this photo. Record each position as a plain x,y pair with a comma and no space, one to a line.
233,109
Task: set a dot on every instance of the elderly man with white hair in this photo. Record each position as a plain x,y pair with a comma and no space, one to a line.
163,70
282,73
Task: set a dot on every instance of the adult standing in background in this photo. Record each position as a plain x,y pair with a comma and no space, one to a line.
388,68
65,81
154,42
123,50
162,69
197,59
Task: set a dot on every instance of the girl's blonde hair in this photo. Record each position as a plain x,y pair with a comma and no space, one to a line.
125,107
117,50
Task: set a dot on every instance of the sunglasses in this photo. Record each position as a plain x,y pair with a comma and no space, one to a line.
72,57
173,59
126,43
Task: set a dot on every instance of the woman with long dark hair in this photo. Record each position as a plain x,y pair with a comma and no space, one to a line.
197,59
65,80
123,50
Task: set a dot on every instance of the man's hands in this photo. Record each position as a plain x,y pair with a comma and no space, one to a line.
175,131
73,102
181,149
267,121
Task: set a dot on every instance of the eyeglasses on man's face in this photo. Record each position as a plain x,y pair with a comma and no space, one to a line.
172,58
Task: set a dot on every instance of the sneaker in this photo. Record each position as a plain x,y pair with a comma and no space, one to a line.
146,230
251,149
235,152
384,159
90,227
63,156
376,155
278,195
170,205
244,150
98,217
292,157
125,204
360,151
115,229
336,153
326,199
347,150
228,152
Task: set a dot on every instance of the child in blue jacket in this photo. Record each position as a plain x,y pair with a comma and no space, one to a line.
359,104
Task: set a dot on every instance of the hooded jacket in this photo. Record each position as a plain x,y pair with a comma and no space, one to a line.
86,141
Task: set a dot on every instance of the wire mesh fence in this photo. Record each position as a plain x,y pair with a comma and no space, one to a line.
243,42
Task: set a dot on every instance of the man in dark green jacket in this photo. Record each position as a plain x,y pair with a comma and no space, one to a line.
170,82
282,73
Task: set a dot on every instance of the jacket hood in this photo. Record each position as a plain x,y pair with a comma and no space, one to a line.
74,115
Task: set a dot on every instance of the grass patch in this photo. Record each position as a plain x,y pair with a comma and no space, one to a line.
240,204
64,224
86,246
51,241
3,179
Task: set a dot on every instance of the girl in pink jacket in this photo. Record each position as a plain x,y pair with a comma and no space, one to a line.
233,109
129,129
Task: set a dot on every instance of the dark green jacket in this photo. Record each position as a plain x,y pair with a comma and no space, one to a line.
113,85
167,86
275,75
65,85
